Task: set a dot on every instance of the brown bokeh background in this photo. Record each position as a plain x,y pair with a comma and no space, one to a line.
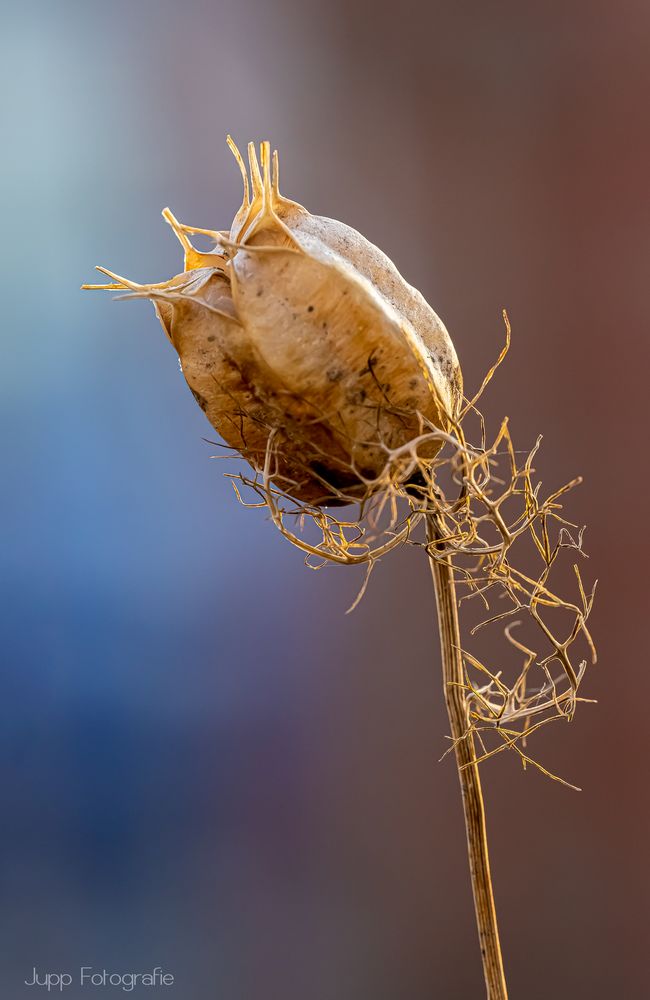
500,154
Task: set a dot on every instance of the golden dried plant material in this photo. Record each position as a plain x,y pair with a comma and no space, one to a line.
297,330
320,366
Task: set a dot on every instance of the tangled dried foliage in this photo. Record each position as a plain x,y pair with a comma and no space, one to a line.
483,504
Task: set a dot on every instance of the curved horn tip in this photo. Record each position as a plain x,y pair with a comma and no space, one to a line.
276,174
232,146
255,169
234,149
265,157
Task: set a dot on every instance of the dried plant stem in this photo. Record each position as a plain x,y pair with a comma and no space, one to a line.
468,770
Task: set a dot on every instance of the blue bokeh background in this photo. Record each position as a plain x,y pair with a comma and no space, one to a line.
207,765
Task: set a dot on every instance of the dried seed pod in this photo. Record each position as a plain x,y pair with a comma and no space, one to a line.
299,336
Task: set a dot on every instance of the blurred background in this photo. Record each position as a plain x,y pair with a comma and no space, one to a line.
205,764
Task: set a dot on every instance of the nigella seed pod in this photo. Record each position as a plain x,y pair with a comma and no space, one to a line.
298,336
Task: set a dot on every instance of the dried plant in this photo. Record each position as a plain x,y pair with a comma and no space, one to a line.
338,385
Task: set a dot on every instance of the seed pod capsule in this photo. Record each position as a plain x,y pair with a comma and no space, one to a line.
299,335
